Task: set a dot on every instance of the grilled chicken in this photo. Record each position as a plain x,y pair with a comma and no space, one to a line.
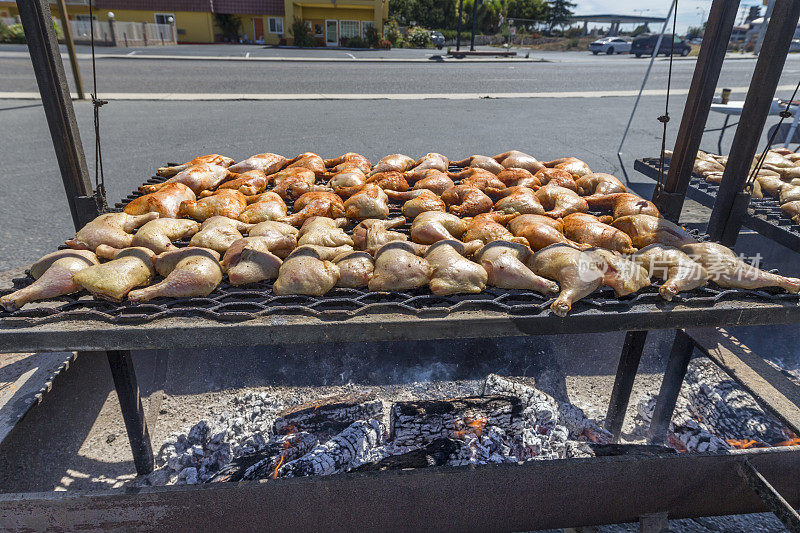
324,231
225,202
214,159
452,272
187,272
254,259
793,210
559,202
727,270
265,206
488,227
540,231
347,182
369,202
309,160
598,184
159,234
218,233
678,271
266,163
369,235
577,274
248,183
573,165
305,272
199,178
619,273
130,268
519,200
292,183
391,180
505,266
478,177
394,162
517,159
645,230
586,229
423,200
348,161
427,162
432,226
518,177
434,181
355,269
321,204
556,176
623,204
398,268
273,227
165,201
466,200
53,274
113,229
480,161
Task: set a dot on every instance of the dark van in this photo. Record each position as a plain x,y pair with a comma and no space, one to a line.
644,44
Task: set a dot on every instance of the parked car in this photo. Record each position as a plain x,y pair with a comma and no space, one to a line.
610,45
437,39
643,45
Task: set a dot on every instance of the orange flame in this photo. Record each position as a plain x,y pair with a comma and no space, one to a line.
470,425
676,443
791,442
275,472
743,444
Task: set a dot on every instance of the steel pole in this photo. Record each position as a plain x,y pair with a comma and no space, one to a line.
698,103
458,28
474,25
731,202
73,60
37,22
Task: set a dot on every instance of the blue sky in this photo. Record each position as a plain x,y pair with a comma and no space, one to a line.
689,11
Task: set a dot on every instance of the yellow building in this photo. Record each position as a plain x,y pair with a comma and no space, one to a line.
331,21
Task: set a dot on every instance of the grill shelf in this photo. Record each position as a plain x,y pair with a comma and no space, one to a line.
229,303
763,215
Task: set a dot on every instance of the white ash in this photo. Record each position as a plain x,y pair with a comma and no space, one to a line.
685,432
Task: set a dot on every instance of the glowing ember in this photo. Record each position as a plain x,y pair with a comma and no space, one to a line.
743,444
275,472
469,426
791,442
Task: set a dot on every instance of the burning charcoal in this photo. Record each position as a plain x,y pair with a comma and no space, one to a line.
437,453
493,445
338,454
264,463
685,432
579,424
329,416
418,423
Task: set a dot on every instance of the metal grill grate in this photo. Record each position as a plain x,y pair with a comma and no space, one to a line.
234,304
764,215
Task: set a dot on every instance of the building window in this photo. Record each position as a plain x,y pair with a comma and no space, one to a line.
366,24
163,18
276,24
349,28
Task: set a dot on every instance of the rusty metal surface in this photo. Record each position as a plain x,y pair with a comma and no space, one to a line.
534,495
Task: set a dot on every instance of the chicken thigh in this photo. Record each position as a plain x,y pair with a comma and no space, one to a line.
586,229
427,162
348,161
422,200
505,266
309,160
347,182
619,273
518,177
577,273
159,234
394,162
598,185
292,183
398,268
324,231
623,204
540,231
573,165
187,272
54,277
198,178
304,272
369,235
432,226
248,183
488,227
466,200
369,202
559,201
678,271
556,176
131,267
391,181
321,204
225,202
265,206
480,161
645,230
478,177
452,272
519,200
218,233
355,269
254,259
165,201
517,159
266,163
214,159
113,229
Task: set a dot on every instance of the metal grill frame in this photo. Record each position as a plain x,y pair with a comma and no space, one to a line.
763,216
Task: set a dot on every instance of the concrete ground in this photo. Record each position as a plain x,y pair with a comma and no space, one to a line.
91,451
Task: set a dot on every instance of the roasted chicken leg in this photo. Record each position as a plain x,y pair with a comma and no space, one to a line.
112,229
130,268
505,265
452,272
187,272
678,271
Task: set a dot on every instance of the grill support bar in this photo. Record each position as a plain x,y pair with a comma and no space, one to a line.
623,382
770,496
679,357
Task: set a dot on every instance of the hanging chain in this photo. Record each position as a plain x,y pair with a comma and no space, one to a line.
99,176
664,119
784,114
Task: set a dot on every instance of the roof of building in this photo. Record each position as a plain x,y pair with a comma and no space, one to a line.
233,7
616,18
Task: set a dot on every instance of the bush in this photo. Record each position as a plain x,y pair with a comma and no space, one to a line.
451,35
385,44
392,33
355,42
230,26
302,35
372,37
419,38
11,34
572,43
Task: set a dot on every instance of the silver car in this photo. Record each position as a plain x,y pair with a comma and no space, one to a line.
611,45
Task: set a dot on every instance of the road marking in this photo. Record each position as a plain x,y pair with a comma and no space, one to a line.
247,55
349,54
131,53
387,96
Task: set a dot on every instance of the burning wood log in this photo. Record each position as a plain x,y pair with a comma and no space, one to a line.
264,463
329,416
437,453
339,454
418,423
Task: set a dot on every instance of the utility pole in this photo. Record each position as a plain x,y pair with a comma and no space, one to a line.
763,29
73,60
458,28
474,25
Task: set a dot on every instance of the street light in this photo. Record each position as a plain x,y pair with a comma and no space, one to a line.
110,15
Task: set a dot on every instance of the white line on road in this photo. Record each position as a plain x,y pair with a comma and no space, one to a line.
368,96
349,54
247,55
131,53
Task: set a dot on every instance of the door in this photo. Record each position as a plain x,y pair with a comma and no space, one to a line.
258,29
331,33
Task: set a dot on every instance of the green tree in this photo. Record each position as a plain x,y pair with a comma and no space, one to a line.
560,13
695,31
230,26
